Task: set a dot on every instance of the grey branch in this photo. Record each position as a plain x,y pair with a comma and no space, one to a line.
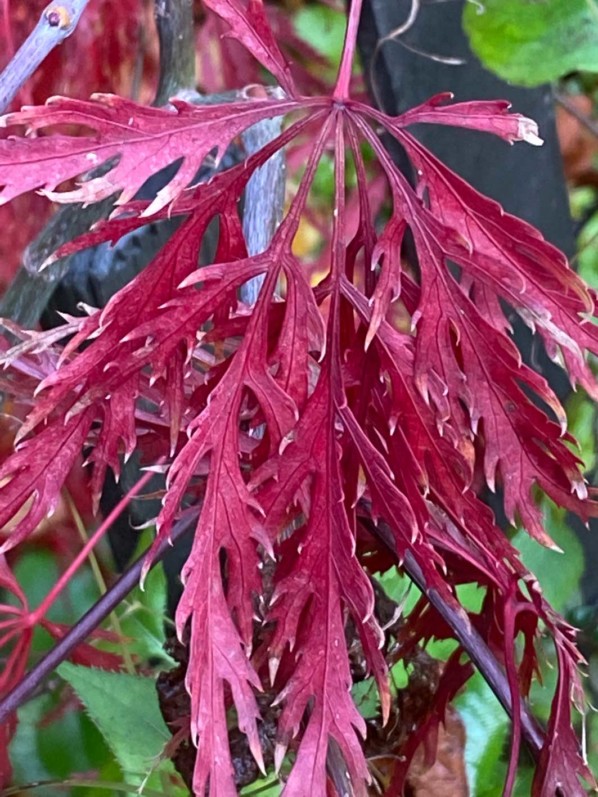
264,198
174,21
56,23
28,294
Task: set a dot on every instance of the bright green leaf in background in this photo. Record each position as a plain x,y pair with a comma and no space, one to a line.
126,711
49,750
487,732
324,29
533,41
559,573
142,616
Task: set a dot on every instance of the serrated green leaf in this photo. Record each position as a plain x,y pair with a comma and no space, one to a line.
529,42
45,751
125,709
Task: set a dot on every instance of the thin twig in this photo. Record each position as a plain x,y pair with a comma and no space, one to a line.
480,654
590,124
85,626
56,23
396,35
104,785
101,581
471,641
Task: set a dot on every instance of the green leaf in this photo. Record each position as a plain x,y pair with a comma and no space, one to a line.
582,414
543,689
266,787
125,709
143,617
592,723
587,259
533,41
559,574
365,697
487,728
43,750
323,28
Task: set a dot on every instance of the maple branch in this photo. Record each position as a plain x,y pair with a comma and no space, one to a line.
480,654
471,641
56,23
174,21
264,198
88,623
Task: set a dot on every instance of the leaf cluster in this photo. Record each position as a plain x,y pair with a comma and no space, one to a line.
332,429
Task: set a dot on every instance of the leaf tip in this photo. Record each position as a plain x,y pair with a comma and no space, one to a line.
273,665
279,754
527,130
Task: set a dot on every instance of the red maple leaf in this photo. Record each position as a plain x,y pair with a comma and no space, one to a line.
316,412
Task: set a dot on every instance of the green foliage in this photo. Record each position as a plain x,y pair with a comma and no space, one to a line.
487,731
529,42
581,412
142,615
324,29
365,695
559,573
125,709
46,750
37,570
587,260
266,787
486,723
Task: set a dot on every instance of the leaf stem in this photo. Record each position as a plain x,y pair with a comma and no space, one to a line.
124,788
100,580
341,89
65,577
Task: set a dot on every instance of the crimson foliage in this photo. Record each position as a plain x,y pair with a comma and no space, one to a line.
384,396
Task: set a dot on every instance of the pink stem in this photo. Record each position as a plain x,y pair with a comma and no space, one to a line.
341,90
36,615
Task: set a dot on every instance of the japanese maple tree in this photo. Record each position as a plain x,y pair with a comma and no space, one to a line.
322,426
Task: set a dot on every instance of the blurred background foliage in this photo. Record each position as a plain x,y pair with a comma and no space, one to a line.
93,732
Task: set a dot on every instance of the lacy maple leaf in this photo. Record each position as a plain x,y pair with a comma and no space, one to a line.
318,412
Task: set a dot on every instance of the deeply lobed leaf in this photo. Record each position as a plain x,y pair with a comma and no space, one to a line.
318,414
